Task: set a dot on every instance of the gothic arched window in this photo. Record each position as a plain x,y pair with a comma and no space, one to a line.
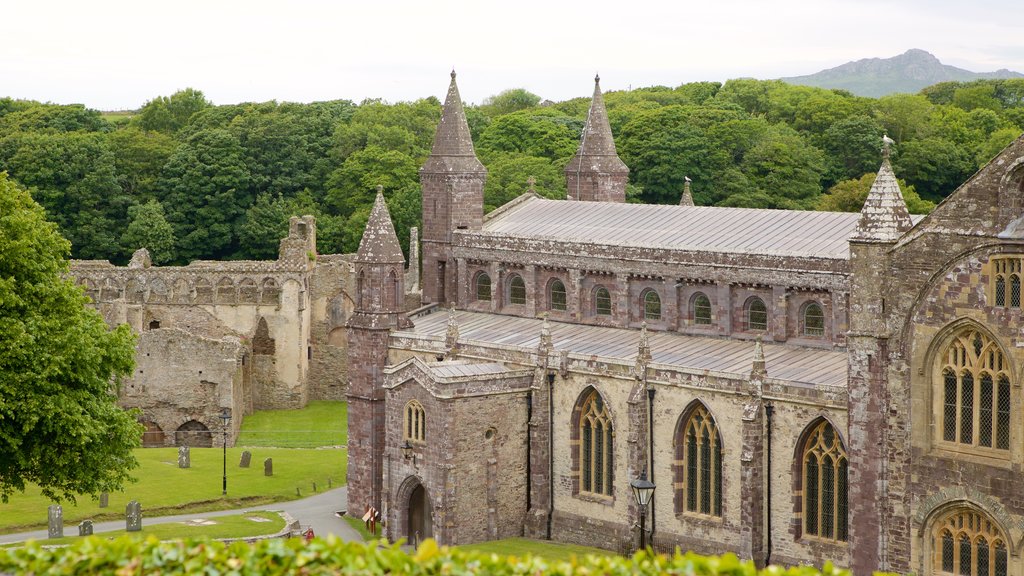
516,290
975,392
596,450
602,302
483,287
556,295
968,542
652,305
813,320
756,314
825,465
701,309
414,422
699,448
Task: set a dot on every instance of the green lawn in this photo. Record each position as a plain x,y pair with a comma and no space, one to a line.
321,423
543,548
238,526
360,526
164,489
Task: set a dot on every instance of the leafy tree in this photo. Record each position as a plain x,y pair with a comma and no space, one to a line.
509,101
171,113
266,222
72,175
52,118
976,96
353,185
205,186
904,116
853,146
994,145
849,196
148,228
508,176
934,166
60,426
543,133
406,127
786,168
139,156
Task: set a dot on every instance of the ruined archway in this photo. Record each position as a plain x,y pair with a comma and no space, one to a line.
194,434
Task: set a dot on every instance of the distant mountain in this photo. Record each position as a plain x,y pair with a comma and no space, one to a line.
908,72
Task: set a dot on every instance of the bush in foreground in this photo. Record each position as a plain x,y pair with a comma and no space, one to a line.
126,557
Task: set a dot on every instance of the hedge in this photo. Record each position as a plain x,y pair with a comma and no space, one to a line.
128,556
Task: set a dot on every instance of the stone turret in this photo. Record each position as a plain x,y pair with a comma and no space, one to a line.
452,180
687,198
596,173
884,219
379,293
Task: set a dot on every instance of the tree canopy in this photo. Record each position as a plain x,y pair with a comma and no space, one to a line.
60,426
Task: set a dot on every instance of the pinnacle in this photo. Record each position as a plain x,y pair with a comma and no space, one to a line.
687,197
884,217
597,147
452,137
379,243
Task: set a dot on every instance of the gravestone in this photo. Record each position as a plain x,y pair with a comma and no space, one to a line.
85,528
55,521
184,457
268,467
246,458
133,516
104,497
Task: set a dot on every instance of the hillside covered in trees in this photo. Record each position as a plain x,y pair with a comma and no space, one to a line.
190,180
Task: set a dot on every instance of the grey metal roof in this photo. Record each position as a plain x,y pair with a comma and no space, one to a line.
795,364
694,228
459,369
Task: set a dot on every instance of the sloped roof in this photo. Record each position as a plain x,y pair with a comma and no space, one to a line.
597,147
379,242
452,150
693,228
884,217
797,365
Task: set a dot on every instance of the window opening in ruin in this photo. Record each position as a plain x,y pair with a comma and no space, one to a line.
966,542
596,448
155,324
825,470
557,296
517,290
701,309
975,393
814,320
757,315
414,428
652,305
483,287
602,302
702,464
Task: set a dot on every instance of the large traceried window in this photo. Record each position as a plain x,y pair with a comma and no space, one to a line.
596,450
517,290
701,309
700,449
968,543
756,314
414,427
975,393
825,466
652,305
602,302
556,295
483,287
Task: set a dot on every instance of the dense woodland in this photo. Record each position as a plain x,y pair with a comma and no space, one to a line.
190,180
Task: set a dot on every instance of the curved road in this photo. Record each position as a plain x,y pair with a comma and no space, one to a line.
316,511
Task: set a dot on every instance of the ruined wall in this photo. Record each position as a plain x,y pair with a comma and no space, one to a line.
331,305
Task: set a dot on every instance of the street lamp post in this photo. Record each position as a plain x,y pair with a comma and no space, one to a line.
643,491
225,417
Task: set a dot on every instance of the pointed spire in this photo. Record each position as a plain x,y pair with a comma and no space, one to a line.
379,243
687,198
596,158
452,137
451,335
884,217
758,370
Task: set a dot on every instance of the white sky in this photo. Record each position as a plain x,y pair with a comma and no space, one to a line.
117,54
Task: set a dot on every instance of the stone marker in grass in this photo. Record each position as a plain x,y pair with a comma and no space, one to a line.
246,458
133,517
55,521
184,457
85,528
104,499
268,467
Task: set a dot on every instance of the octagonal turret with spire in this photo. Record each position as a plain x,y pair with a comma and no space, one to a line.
596,173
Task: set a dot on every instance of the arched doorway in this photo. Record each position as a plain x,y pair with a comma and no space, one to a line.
420,523
194,434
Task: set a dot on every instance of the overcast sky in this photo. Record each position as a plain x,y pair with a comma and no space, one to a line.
112,54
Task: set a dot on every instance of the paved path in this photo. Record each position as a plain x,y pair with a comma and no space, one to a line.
316,511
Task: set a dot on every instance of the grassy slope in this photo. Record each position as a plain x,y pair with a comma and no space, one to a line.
239,526
322,423
163,488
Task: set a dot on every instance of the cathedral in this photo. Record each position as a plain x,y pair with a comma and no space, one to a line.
798,386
